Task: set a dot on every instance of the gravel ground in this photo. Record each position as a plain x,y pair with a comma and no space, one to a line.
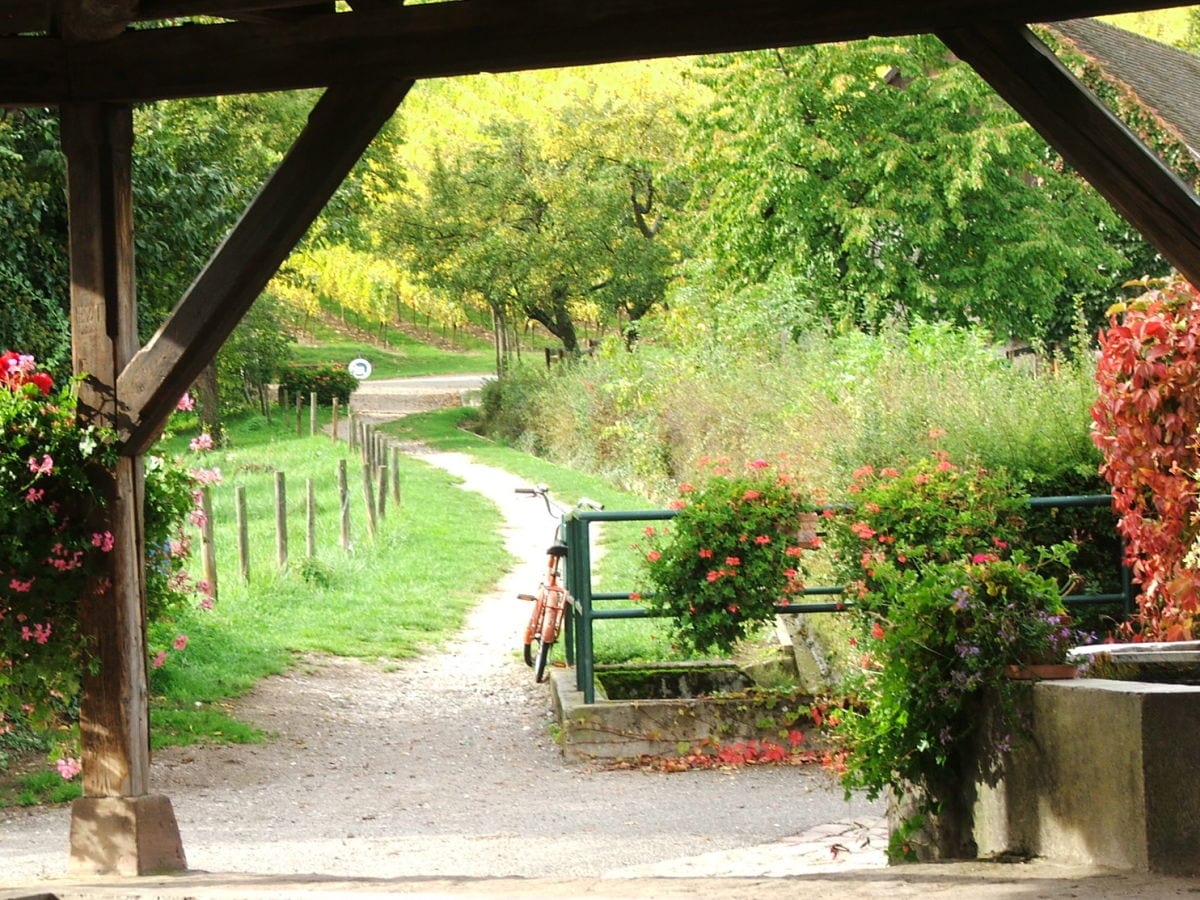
443,766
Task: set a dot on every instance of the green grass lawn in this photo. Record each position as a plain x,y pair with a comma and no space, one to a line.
385,598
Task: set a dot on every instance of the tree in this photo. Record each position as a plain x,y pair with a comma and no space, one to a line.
545,197
538,227
883,180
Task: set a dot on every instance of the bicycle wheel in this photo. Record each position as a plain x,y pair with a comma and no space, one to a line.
543,655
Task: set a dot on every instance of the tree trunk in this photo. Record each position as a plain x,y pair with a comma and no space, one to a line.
208,397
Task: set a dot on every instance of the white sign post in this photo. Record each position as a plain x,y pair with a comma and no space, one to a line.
360,369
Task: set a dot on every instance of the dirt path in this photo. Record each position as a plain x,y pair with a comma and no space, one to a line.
445,766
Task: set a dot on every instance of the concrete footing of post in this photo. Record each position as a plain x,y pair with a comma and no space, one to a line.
125,836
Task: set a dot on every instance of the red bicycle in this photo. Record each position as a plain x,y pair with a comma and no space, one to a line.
551,601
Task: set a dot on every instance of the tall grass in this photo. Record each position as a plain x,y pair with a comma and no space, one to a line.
650,418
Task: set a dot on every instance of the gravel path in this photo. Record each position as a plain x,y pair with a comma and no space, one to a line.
444,766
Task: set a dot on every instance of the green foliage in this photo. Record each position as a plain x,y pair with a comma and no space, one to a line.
1147,416
327,381
943,602
733,552
883,181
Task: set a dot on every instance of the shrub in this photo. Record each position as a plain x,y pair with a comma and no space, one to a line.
733,551
1146,419
943,603
328,381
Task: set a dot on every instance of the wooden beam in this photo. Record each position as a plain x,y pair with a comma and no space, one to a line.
340,127
97,141
1073,120
469,36
93,20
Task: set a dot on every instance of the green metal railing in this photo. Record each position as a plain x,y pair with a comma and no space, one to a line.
584,614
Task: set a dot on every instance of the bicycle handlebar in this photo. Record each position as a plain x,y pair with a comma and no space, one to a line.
543,491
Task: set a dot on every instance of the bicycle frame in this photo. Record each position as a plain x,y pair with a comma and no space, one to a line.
552,598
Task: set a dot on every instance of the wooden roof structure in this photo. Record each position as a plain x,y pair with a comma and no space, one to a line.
92,59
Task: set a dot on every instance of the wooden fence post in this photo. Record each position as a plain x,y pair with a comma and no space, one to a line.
243,534
352,430
312,414
334,413
369,496
208,549
344,502
383,490
310,508
281,548
396,475
299,411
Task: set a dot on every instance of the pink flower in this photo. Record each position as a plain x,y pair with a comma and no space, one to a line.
39,633
676,504
686,488
20,587
654,556
34,495
181,642
104,540
186,403
762,539
733,561
159,660
68,768
757,464
202,442
45,467
984,558
889,473
751,495
714,575
705,553
863,530
649,529
877,631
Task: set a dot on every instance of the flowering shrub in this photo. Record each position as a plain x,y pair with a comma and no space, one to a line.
942,606
53,553
1146,420
732,553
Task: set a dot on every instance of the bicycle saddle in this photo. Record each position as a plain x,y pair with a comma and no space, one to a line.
557,550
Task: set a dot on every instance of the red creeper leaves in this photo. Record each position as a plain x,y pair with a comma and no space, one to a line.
1146,421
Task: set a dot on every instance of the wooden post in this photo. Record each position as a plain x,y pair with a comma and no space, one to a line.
352,429
369,496
243,534
344,502
333,431
310,509
396,475
299,414
281,547
109,822
383,491
312,414
208,548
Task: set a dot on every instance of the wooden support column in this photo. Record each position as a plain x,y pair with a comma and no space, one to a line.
116,827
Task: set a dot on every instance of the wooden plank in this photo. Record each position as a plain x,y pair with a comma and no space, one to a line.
114,725
339,129
468,36
1073,120
93,20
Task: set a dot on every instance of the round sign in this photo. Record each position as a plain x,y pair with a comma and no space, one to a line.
360,368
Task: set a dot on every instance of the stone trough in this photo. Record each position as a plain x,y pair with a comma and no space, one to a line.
670,708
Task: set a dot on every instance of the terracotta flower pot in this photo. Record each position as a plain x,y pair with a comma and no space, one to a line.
1041,671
